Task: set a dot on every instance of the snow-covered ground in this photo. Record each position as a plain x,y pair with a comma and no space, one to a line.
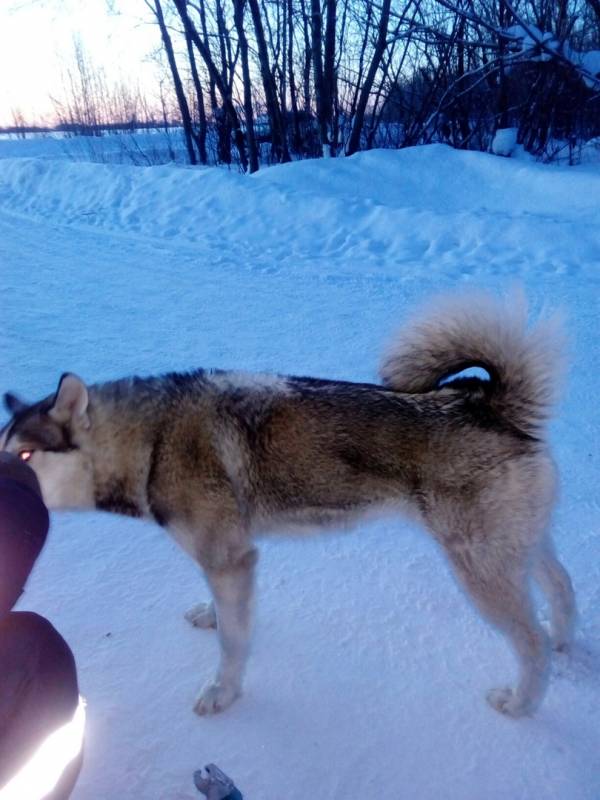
369,667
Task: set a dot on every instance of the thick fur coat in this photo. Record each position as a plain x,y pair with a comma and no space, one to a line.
219,458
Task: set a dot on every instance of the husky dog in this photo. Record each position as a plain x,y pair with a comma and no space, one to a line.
218,458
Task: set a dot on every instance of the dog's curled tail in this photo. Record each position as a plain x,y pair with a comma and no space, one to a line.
457,332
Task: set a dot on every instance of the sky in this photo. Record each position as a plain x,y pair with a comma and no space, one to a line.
36,46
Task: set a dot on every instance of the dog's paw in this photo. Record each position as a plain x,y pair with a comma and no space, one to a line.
202,615
507,702
215,697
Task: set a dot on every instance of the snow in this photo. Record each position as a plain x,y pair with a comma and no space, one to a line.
535,45
504,142
590,153
142,148
369,667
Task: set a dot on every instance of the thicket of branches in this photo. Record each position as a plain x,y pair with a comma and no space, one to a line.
271,80
325,77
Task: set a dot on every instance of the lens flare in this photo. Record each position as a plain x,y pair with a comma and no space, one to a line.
44,769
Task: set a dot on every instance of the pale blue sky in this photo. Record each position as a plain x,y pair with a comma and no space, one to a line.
36,43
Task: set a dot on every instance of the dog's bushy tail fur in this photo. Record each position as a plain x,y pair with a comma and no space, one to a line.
454,333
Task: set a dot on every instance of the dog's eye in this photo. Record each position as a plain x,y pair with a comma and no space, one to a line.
25,455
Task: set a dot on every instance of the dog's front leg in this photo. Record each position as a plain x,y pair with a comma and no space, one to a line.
232,587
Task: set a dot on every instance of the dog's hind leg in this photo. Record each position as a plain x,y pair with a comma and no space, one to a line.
498,583
232,586
556,584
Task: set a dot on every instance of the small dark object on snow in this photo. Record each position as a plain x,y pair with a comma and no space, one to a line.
216,785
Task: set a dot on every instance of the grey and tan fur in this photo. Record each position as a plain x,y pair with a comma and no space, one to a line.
218,458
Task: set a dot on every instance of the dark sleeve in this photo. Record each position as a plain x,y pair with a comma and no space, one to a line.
21,510
38,690
23,529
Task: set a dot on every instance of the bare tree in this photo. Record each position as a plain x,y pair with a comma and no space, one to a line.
248,110
223,88
313,77
200,134
361,106
184,109
276,121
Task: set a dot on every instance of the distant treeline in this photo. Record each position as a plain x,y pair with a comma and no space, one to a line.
82,129
272,80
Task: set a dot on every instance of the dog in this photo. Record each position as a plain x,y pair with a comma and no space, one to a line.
218,458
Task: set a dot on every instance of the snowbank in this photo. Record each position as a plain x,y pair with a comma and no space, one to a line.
320,205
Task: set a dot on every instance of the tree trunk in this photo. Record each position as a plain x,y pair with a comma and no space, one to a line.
329,76
308,58
223,121
317,58
224,90
200,136
250,137
186,118
297,136
278,135
380,45
502,112
462,108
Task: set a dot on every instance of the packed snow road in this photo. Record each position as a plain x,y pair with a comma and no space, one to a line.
369,667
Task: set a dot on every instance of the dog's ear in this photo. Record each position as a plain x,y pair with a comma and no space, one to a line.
70,401
14,404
